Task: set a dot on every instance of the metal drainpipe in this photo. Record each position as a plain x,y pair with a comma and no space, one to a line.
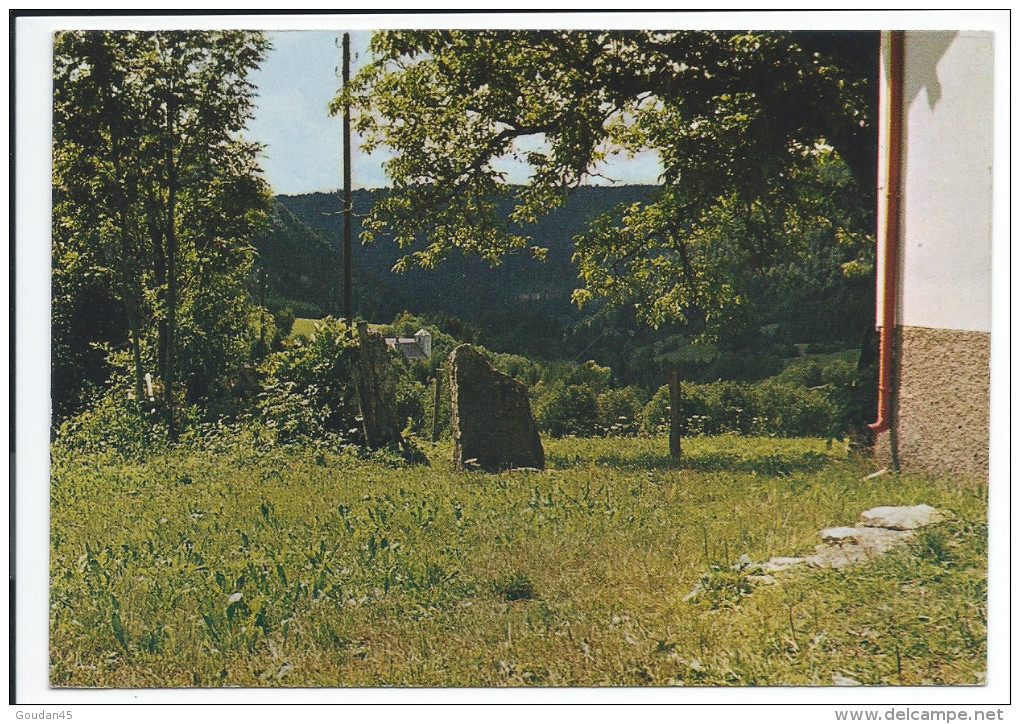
890,254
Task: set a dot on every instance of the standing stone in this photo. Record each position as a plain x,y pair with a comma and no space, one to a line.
490,416
377,391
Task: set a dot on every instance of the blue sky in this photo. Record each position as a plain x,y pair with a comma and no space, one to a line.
303,151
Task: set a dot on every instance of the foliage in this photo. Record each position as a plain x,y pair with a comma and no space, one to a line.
568,410
619,411
155,202
112,424
523,306
308,387
284,321
588,374
765,408
237,564
517,366
739,121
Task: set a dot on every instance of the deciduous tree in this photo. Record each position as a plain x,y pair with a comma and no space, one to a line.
157,196
743,123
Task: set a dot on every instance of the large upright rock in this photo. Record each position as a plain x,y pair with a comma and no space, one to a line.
491,418
377,391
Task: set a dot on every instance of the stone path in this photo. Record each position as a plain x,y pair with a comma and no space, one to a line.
879,530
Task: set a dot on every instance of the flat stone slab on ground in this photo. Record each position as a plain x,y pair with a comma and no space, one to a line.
901,517
782,563
877,540
884,528
863,535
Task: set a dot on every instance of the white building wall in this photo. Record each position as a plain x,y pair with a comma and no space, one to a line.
945,223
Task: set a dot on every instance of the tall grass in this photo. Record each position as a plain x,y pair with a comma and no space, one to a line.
311,567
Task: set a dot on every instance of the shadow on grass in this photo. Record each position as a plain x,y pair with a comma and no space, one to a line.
716,462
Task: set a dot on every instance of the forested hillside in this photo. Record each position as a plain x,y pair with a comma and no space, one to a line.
524,306
523,303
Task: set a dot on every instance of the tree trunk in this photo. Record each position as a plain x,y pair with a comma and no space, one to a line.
130,296
136,353
170,355
676,418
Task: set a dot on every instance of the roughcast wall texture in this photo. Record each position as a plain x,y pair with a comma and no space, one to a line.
941,401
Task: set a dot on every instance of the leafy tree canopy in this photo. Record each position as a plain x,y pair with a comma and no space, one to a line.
734,117
156,198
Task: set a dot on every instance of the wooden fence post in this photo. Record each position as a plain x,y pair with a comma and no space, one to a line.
435,405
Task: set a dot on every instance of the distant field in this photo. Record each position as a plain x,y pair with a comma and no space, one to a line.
304,326
309,567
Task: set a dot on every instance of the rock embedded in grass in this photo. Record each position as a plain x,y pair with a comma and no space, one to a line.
900,518
882,529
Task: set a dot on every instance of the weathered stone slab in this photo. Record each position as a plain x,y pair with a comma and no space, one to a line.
493,428
884,528
377,391
877,539
845,546
782,563
901,517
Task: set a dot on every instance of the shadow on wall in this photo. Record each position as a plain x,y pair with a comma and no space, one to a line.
935,46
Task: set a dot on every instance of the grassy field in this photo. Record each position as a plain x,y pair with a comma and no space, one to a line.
311,567
305,327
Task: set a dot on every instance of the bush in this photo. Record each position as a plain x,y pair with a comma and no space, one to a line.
783,409
307,389
655,415
284,324
570,410
113,423
765,408
595,377
619,411
520,368
411,403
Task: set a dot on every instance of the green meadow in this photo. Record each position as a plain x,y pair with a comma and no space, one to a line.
226,563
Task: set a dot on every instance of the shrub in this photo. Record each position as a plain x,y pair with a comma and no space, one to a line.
284,324
766,408
783,409
619,411
113,423
412,398
570,410
521,368
655,415
307,388
595,377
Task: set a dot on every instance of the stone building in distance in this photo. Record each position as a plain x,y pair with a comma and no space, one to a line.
417,347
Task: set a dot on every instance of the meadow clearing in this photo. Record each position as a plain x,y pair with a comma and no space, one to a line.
223,563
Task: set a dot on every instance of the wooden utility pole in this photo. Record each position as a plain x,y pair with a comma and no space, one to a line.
348,271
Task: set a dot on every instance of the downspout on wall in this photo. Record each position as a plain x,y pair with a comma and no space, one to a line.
889,223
